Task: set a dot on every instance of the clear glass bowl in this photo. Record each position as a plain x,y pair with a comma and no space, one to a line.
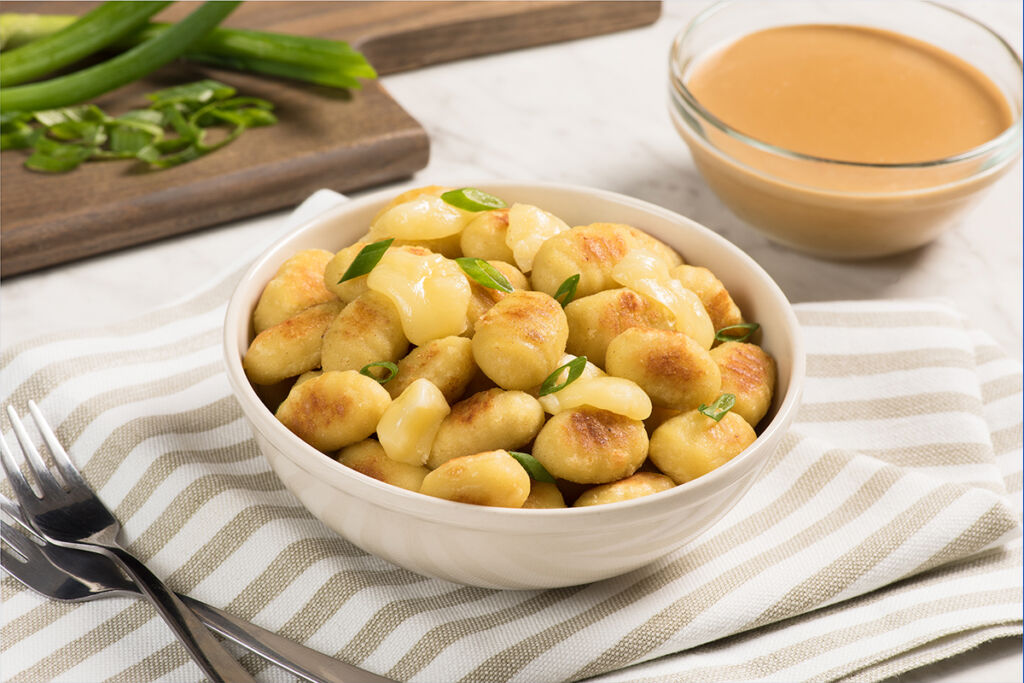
852,210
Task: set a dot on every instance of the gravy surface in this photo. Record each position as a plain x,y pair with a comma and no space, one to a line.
850,93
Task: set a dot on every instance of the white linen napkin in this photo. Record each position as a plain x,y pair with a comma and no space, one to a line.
883,535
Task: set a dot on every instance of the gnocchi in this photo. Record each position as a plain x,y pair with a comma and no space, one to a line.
424,372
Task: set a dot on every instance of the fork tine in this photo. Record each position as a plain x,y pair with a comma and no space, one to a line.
11,509
47,481
18,541
18,482
60,457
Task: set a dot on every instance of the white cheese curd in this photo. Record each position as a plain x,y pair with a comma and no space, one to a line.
615,394
407,428
528,228
430,292
645,273
423,218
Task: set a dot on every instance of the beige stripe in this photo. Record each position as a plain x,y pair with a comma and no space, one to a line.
935,454
439,638
1008,439
846,365
9,588
44,380
889,408
994,562
391,616
826,584
987,529
157,665
195,306
1014,482
834,578
165,465
999,388
297,557
37,618
652,633
76,651
988,353
877,319
929,653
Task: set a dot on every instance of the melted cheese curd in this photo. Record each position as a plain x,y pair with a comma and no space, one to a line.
473,418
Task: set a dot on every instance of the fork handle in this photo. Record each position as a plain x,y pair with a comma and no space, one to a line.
204,647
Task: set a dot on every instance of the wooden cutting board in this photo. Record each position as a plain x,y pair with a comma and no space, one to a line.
324,137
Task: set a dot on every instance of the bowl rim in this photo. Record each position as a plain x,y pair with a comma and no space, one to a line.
481,517
681,95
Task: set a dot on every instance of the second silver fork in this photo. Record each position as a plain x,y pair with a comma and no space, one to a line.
75,517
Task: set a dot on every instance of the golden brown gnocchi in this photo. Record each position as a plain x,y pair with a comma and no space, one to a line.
493,478
599,374
693,444
591,446
298,284
674,370
635,486
519,341
334,409
368,457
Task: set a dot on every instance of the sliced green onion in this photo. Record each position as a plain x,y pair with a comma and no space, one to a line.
472,199
750,328
368,257
93,31
484,273
533,467
199,92
717,410
390,367
566,291
575,367
125,68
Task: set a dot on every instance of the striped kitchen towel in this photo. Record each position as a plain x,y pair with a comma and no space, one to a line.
884,533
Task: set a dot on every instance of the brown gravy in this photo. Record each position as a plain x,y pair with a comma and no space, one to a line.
850,93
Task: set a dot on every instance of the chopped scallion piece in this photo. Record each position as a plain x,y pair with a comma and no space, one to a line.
368,257
472,199
575,369
566,291
750,328
717,410
391,368
484,273
533,467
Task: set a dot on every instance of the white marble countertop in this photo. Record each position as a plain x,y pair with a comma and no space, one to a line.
591,112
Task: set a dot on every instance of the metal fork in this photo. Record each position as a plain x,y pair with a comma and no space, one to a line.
75,517
77,576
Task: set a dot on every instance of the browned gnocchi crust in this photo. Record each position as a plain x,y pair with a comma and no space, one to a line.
447,362
692,444
298,284
591,446
493,478
748,373
597,319
368,457
484,237
334,410
490,420
722,310
482,298
635,486
519,341
289,348
674,370
366,331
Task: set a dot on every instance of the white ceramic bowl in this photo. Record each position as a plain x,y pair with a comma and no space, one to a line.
509,548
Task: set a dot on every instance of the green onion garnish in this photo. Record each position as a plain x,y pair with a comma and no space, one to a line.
472,199
368,257
390,367
484,273
575,367
751,328
566,291
717,410
533,467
